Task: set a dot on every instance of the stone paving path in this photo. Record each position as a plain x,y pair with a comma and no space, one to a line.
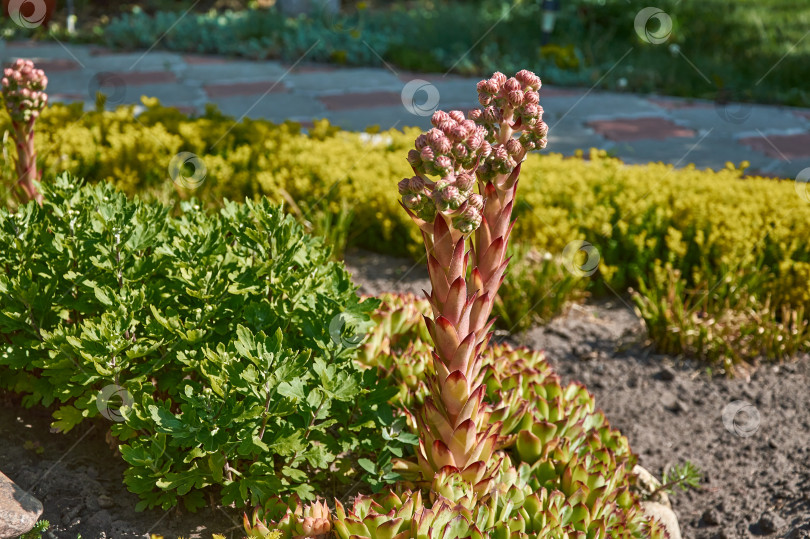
636,128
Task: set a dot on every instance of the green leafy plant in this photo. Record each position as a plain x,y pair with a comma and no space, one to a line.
230,337
683,476
36,532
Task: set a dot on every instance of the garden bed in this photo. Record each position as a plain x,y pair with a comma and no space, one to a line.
670,410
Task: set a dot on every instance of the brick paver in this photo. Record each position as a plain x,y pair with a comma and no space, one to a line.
639,129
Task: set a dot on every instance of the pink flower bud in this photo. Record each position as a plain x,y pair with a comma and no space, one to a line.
492,115
481,87
457,115
476,138
528,79
444,163
513,146
515,98
411,200
541,129
512,85
459,133
447,197
421,141
531,110
444,145
439,117
476,201
447,126
475,115
531,97
413,158
427,154
493,87
499,78
484,99
4,82
461,151
486,149
465,182
416,184
404,186
468,220
500,153
433,137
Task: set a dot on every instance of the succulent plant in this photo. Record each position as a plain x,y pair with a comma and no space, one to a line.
385,516
312,521
23,89
456,425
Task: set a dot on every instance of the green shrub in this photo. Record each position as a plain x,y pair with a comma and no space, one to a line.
229,337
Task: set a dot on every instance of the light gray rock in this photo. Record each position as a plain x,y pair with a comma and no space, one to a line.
665,515
19,510
647,485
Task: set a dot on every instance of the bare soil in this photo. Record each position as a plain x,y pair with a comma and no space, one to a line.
750,435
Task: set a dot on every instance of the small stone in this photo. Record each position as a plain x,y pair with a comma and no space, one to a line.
105,502
667,374
798,533
19,511
672,403
770,522
709,517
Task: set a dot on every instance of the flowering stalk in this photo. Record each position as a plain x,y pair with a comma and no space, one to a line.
23,89
461,153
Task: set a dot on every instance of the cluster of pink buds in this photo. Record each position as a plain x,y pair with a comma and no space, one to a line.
452,150
23,88
510,106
